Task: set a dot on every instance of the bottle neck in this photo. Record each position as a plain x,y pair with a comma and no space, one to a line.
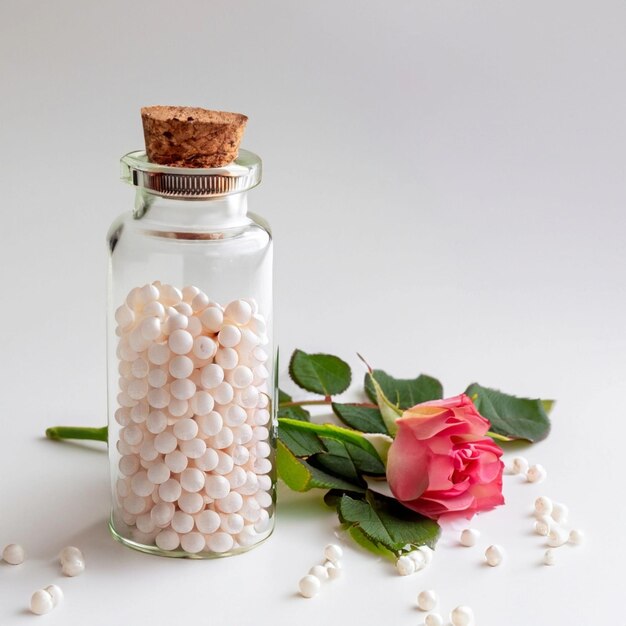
229,211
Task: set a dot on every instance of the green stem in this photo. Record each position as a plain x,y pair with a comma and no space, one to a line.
77,432
497,437
284,405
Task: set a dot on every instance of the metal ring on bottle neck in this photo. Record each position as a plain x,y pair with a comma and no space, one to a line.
181,182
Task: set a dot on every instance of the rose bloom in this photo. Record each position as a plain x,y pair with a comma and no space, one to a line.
441,463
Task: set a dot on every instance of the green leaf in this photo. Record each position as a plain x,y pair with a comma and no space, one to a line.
324,374
404,393
548,405
386,522
292,412
340,451
346,459
518,418
301,476
365,542
330,431
364,418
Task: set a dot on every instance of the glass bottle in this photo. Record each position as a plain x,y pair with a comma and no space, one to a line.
191,362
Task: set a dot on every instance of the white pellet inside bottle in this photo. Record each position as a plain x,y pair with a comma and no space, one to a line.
194,469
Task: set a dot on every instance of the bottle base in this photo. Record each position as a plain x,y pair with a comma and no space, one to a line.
181,554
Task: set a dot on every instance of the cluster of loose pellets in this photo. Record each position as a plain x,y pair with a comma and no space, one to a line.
494,554
551,520
195,413
414,561
533,473
428,599
44,600
310,585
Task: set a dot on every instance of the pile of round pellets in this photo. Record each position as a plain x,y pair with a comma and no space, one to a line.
550,521
414,561
428,599
194,411
44,600
310,585
550,517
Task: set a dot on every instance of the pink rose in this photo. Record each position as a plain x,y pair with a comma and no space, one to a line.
441,463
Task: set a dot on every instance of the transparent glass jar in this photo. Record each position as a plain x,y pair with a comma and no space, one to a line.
191,363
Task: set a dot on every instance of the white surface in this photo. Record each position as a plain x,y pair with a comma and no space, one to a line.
445,181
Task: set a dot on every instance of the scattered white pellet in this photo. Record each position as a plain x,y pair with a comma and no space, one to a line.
542,527
13,554
427,553
549,557
72,567
405,566
519,465
433,619
462,616
419,559
41,602
320,572
494,555
543,505
536,474
469,537
576,537
427,600
71,552
56,593
557,537
560,513
334,570
332,552
309,586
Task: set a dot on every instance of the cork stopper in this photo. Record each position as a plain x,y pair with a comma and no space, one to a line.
190,136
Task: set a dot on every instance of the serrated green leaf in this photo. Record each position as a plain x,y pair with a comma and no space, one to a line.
404,393
518,418
300,476
324,374
332,497
330,431
387,523
341,452
364,541
355,460
292,412
364,418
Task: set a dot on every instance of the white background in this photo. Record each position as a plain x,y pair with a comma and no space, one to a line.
445,180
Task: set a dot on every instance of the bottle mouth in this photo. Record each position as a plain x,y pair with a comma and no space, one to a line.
184,182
